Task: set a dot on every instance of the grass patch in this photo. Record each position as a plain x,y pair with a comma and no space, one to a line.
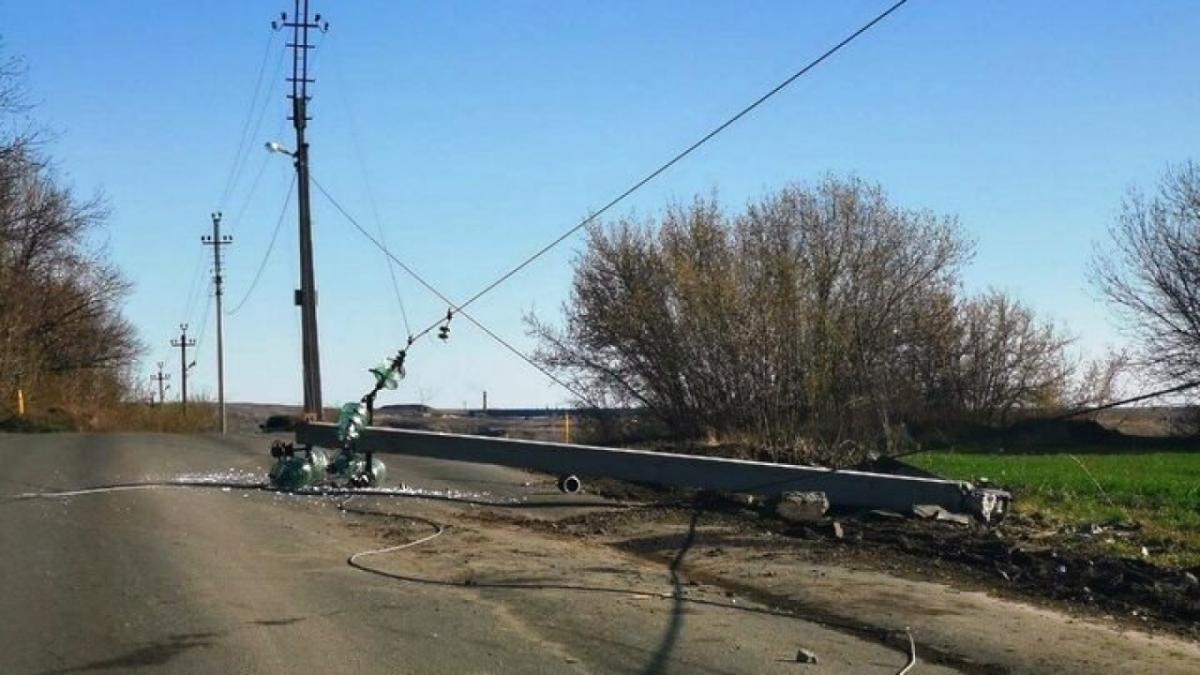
1159,492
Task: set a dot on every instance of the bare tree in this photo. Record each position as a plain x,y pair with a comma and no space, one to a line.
1008,359
1150,273
1099,381
62,335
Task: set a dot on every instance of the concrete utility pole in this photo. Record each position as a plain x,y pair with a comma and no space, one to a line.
306,295
161,377
183,343
217,240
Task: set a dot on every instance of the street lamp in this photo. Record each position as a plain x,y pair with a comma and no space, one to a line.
273,146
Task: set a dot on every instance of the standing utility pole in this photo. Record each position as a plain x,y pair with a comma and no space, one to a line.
217,240
183,343
161,377
306,296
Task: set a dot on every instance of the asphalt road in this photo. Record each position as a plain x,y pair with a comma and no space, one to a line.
213,581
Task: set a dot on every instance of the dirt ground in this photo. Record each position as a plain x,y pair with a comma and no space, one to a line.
1020,603
1021,557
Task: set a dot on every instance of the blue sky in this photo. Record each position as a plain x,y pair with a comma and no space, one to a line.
485,129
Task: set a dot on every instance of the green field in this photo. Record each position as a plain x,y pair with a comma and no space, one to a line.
1158,491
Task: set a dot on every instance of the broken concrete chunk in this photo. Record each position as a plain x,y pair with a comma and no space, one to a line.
806,656
935,512
802,507
836,530
926,510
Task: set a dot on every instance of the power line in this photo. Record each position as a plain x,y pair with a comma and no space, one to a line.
356,143
262,113
1134,399
204,322
262,168
674,160
270,247
189,303
239,156
443,297
459,308
410,271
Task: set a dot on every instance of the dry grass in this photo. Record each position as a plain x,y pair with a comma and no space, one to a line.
200,416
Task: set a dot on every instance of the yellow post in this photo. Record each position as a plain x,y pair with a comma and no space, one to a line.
20,403
566,427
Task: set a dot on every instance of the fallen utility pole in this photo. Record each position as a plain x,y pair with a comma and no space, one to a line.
844,488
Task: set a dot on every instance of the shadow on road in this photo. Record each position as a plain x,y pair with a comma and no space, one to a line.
662,655
153,654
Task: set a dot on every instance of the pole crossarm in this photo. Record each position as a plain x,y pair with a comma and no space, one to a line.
844,488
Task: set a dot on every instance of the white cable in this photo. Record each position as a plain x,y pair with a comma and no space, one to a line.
353,560
55,494
912,654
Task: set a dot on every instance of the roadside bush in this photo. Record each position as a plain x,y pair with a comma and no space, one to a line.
815,325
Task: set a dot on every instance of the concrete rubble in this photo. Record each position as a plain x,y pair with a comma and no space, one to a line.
802,507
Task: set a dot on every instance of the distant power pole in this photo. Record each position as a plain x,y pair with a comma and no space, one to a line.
306,296
161,377
183,343
217,240
485,400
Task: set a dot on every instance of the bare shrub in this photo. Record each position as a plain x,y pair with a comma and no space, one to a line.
789,322
814,326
